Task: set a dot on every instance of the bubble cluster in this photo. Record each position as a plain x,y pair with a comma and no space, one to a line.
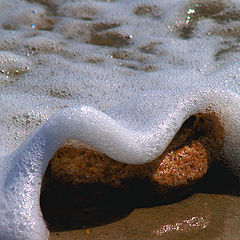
79,10
32,17
151,10
12,64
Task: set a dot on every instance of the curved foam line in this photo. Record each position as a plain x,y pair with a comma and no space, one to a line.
134,132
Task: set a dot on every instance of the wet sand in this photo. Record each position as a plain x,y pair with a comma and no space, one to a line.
208,211
201,216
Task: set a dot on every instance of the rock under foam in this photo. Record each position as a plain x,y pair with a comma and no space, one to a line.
185,160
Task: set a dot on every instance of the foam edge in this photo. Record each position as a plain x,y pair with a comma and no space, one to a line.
21,216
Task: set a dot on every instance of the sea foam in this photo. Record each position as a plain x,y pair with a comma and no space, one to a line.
120,76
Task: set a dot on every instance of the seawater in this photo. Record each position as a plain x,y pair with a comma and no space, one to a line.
120,75
56,54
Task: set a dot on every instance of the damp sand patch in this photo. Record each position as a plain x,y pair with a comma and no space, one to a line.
200,216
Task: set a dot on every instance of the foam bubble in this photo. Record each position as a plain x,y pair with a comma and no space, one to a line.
12,64
31,16
84,11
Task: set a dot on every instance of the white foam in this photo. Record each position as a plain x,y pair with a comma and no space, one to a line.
120,76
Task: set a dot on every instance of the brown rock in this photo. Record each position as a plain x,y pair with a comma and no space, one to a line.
185,160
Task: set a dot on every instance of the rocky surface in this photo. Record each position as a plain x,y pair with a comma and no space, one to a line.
185,160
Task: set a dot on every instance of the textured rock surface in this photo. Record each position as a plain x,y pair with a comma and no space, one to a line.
185,160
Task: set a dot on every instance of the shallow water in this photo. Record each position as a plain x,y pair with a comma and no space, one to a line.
57,54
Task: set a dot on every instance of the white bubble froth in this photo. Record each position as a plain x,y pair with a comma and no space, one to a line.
120,76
